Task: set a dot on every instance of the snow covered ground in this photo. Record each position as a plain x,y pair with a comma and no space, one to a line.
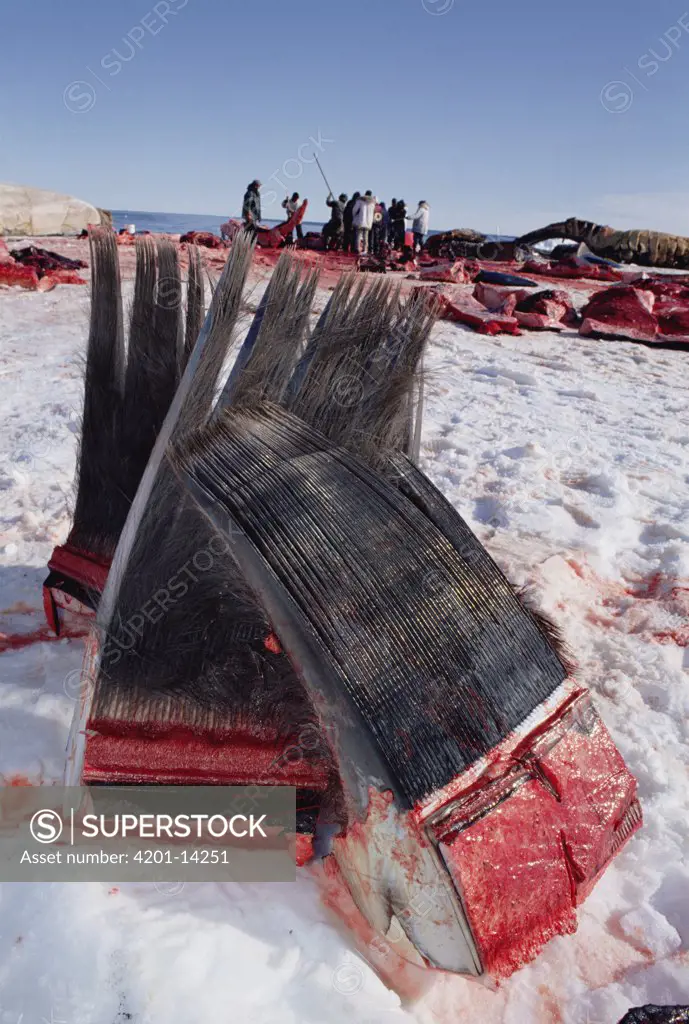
570,460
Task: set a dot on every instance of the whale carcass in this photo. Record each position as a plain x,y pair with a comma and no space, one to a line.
647,248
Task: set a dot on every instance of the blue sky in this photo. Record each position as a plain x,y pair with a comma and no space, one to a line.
495,113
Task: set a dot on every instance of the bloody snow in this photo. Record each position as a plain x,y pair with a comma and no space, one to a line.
569,457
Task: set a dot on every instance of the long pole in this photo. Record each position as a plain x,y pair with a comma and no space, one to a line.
324,177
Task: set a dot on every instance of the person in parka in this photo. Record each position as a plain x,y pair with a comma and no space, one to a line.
251,205
420,224
398,218
348,238
362,220
333,231
379,233
387,221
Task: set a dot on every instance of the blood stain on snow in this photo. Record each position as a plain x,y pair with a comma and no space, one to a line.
550,1006
680,637
577,569
608,960
649,588
42,635
635,940
668,594
18,608
12,803
17,780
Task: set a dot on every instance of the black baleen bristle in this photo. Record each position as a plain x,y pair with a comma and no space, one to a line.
126,398
153,355
101,500
196,664
195,301
435,652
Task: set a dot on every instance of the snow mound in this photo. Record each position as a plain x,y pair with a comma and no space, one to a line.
36,211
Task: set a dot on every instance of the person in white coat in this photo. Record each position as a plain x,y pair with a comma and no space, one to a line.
420,224
290,205
362,220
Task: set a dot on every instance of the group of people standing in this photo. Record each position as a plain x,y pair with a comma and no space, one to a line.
363,224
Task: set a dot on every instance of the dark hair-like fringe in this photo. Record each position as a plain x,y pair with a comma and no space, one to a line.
209,641
356,383
195,301
127,396
273,343
197,666
101,501
153,356
159,502
196,394
549,629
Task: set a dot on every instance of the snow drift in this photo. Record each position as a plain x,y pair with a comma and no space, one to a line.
36,211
